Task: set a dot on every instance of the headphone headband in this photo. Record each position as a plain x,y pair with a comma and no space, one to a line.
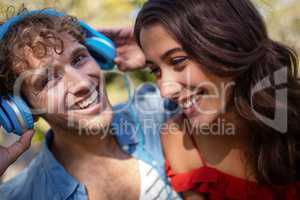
101,47
4,28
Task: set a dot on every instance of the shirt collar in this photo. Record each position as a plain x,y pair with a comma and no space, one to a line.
123,126
124,129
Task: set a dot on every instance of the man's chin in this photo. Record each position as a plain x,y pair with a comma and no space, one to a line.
98,125
83,125
92,125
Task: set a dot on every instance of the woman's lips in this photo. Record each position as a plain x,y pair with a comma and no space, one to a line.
191,107
191,104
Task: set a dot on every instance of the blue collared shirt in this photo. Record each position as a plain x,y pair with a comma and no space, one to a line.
136,127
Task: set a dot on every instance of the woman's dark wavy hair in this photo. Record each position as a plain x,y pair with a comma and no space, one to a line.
229,38
24,34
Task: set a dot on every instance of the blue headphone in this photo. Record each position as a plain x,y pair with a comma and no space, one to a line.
15,115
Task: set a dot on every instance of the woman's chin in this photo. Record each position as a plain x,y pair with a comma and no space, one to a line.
202,120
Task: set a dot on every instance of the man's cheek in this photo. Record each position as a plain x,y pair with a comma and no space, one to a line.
53,104
33,100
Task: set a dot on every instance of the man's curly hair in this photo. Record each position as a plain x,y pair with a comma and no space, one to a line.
40,32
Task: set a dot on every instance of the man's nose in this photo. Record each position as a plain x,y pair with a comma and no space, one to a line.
78,82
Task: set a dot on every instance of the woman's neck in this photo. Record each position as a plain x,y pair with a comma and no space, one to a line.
226,152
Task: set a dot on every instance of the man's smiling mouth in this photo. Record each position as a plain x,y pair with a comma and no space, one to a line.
88,102
92,99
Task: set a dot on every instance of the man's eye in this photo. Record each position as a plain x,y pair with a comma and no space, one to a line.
49,81
44,82
41,83
77,60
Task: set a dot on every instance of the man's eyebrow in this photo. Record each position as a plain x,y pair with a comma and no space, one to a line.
77,50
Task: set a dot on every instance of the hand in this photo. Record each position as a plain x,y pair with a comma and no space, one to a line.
9,155
129,54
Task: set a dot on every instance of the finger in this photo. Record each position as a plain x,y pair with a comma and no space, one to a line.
108,31
122,49
126,32
120,64
16,149
118,60
123,65
112,33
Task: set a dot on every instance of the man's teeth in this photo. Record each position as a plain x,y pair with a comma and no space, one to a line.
89,101
189,103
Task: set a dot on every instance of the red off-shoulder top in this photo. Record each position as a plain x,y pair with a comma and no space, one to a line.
217,185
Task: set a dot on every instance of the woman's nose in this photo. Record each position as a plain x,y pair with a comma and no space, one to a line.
169,86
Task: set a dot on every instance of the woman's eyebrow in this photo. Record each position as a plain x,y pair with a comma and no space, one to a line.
148,62
166,54
170,52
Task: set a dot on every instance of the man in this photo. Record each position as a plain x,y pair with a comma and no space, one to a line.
93,151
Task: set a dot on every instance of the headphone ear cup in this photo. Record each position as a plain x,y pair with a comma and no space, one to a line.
4,120
24,111
12,116
102,52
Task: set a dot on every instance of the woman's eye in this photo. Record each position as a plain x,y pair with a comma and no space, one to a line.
156,71
178,62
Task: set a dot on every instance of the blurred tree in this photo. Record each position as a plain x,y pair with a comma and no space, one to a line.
282,16
138,3
283,20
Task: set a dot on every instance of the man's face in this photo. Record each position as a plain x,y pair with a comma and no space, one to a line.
68,88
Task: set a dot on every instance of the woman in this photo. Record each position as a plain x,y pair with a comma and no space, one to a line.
236,88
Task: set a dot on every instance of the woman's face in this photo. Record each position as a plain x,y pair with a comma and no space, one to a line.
201,95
